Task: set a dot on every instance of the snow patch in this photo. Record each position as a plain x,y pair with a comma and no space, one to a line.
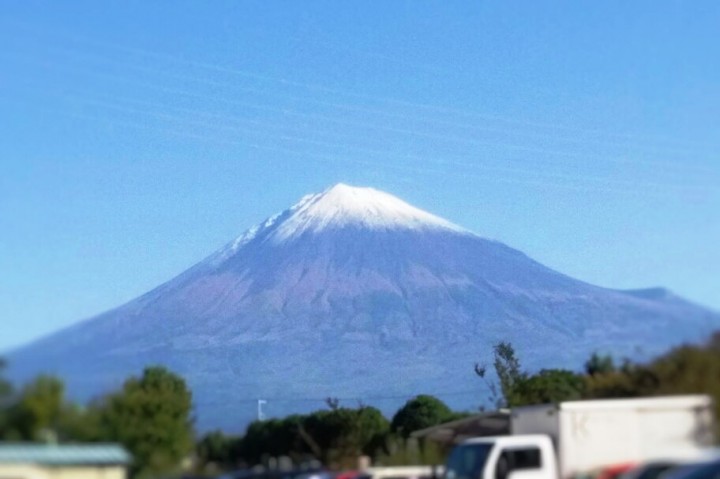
337,207
343,205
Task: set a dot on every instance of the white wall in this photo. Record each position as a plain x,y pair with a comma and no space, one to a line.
19,471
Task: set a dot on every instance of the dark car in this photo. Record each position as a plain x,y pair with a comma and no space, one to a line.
705,470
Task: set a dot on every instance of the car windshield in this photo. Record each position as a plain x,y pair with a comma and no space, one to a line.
467,462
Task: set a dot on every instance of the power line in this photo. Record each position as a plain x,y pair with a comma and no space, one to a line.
365,399
392,113
457,161
321,88
538,178
401,131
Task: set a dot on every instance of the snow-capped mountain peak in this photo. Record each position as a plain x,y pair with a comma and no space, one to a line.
365,279
343,205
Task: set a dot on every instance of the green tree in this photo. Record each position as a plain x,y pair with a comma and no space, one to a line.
507,368
78,423
343,434
689,369
150,416
216,448
403,452
599,364
503,393
6,392
549,386
419,413
372,429
257,441
274,437
37,410
6,388
519,387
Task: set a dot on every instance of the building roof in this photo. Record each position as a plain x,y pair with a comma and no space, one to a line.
487,424
511,441
63,454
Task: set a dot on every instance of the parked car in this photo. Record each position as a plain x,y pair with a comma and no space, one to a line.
653,470
616,471
678,462
316,475
259,473
704,470
348,475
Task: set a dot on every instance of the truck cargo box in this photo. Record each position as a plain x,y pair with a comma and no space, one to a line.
592,434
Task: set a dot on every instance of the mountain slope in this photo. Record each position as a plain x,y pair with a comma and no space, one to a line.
356,294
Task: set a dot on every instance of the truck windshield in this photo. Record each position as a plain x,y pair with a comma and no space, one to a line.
467,461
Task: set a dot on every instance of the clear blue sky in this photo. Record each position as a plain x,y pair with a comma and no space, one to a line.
137,137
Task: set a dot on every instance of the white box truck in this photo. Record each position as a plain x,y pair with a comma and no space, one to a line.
574,438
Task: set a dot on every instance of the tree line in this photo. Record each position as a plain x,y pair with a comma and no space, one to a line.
151,414
336,436
686,369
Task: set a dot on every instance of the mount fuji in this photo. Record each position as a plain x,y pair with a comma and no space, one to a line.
353,293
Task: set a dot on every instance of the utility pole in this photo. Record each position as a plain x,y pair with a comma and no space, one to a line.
260,414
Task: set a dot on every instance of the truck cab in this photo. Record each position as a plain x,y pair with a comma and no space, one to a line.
503,457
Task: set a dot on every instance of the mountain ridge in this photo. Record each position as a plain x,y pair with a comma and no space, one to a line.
357,279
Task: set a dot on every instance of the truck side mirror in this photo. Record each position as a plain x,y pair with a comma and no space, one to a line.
502,468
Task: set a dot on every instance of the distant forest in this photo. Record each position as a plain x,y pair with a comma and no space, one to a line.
151,415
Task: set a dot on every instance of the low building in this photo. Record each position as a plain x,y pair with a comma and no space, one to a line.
63,461
496,423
